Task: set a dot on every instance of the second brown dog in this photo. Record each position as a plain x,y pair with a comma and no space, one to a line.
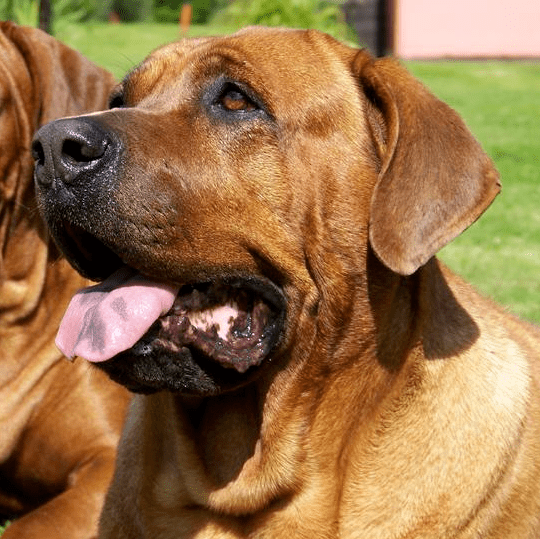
59,422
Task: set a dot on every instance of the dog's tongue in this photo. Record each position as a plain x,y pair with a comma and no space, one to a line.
104,320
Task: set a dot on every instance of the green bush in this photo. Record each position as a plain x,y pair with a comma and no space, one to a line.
322,15
168,10
74,11
20,11
25,12
64,11
128,10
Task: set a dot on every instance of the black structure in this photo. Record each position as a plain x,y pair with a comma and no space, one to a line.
45,16
372,21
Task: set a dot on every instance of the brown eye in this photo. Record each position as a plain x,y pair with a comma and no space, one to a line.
116,100
234,100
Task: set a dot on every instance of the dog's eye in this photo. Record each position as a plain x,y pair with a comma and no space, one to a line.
116,101
233,99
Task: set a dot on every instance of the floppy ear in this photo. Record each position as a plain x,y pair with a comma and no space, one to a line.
65,82
435,180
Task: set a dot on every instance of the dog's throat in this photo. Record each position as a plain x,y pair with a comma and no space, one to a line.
226,324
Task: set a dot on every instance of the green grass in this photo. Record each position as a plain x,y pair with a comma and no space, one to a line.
499,100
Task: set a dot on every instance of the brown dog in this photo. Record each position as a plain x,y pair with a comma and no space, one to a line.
310,369
59,423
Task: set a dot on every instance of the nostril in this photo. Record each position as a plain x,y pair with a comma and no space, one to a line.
38,153
83,151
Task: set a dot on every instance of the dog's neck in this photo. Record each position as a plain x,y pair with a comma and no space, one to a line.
248,449
234,444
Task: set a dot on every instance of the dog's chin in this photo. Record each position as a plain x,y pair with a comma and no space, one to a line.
147,368
186,351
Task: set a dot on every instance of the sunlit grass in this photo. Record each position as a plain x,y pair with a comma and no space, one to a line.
500,102
119,47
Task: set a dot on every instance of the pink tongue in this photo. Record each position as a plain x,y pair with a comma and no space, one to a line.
104,320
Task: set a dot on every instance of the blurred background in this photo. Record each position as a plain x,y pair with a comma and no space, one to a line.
405,28
480,56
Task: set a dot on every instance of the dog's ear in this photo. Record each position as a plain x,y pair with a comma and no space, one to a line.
66,82
435,180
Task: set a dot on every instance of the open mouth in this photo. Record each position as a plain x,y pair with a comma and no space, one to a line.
232,323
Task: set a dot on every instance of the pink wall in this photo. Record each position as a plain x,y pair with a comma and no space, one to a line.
466,28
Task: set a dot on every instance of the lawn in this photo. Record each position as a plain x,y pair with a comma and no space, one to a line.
120,47
500,101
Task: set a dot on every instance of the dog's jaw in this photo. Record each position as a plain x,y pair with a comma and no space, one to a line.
222,331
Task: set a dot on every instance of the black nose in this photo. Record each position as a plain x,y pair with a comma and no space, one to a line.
72,150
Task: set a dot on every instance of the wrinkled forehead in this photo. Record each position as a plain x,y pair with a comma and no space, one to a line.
276,63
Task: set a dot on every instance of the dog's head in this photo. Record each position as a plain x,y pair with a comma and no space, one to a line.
246,178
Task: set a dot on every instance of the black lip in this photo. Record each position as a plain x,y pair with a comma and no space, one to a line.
146,370
85,252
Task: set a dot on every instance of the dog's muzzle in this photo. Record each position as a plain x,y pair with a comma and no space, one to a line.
72,153
198,338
